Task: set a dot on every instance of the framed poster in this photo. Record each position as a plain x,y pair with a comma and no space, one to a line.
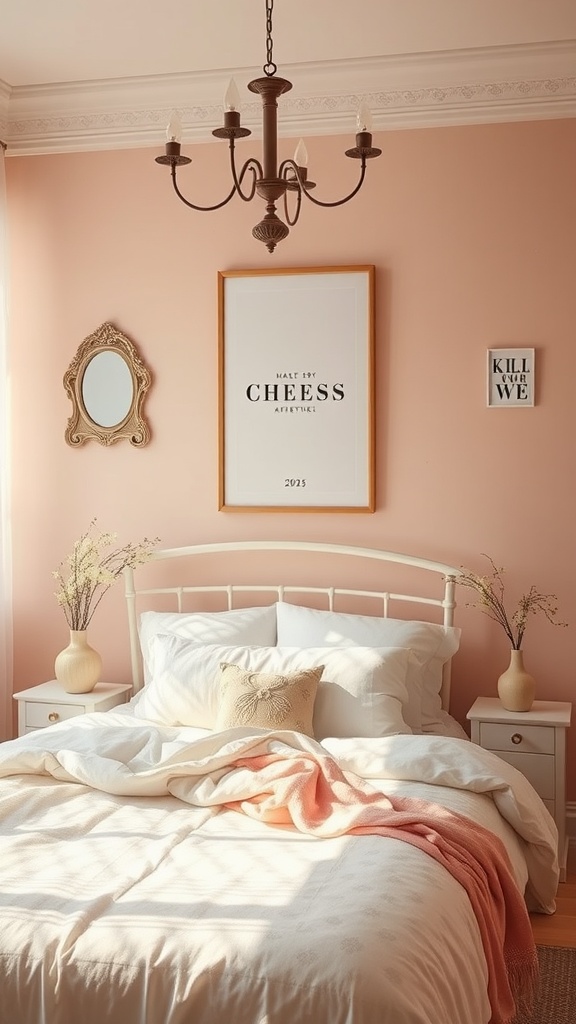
296,379
511,377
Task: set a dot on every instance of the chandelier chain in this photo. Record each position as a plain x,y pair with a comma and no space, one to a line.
270,67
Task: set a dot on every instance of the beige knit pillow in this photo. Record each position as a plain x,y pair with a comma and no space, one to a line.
265,700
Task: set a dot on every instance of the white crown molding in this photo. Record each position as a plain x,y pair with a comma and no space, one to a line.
495,84
4,100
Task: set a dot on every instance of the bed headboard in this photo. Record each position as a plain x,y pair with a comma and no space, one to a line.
444,602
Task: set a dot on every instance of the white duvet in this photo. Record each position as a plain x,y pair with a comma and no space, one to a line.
126,897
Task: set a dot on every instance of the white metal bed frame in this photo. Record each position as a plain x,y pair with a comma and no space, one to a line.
446,603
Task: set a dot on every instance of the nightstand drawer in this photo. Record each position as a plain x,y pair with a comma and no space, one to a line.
529,739
538,768
37,716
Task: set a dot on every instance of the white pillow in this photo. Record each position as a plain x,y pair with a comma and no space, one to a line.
253,626
430,644
360,694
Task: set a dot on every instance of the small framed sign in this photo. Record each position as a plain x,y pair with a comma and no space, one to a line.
511,377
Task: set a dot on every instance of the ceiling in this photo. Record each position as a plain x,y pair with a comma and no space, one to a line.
76,40
81,74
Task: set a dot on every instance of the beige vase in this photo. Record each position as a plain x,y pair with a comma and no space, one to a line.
516,687
78,666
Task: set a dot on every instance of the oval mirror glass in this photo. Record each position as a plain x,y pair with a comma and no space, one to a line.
107,389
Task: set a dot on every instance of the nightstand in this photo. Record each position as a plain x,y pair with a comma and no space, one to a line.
48,703
534,742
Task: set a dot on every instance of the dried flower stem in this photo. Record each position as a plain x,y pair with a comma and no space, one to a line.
91,573
490,590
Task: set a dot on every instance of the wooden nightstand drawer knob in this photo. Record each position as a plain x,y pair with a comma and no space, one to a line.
516,737
53,716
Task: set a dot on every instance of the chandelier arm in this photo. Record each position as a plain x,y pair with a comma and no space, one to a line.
299,184
290,165
340,202
291,221
193,206
285,166
250,165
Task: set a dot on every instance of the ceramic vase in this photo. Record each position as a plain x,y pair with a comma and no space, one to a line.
78,666
516,687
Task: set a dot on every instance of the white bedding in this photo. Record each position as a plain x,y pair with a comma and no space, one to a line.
127,898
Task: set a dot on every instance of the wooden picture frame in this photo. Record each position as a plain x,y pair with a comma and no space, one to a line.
296,390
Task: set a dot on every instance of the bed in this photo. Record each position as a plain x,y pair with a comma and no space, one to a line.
284,825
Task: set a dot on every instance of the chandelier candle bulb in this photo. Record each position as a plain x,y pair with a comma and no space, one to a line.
364,118
301,155
172,157
174,129
232,106
232,97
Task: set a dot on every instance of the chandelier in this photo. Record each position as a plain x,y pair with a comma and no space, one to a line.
269,181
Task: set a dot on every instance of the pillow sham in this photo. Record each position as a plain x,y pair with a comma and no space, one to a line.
253,626
361,691
267,700
430,645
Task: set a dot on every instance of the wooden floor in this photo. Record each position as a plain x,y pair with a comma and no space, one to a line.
559,929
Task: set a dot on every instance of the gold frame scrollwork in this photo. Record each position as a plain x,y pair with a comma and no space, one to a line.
81,427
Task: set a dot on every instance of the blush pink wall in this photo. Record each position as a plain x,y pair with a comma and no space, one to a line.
472,231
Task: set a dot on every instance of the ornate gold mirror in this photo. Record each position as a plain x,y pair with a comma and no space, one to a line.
106,383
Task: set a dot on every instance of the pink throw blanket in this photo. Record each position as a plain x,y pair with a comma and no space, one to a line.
314,795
